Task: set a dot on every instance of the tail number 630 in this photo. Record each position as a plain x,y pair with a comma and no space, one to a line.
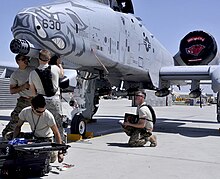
51,24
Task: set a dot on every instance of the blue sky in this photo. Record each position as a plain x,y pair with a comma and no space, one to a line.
169,21
9,9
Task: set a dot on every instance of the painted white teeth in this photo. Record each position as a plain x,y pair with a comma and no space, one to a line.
59,42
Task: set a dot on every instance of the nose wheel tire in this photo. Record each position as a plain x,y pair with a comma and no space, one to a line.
78,125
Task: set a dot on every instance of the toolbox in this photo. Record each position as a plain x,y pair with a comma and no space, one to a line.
23,160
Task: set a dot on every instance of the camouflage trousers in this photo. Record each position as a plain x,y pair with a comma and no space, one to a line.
54,106
21,104
137,139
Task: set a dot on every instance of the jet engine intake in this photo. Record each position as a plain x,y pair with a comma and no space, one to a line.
196,48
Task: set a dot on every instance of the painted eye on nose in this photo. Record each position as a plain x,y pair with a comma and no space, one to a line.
39,29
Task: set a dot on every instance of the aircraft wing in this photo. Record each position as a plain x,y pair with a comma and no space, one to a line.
203,72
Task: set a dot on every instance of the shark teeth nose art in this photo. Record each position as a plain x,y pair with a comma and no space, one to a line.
59,42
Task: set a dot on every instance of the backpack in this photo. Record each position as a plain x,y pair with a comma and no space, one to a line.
46,80
152,112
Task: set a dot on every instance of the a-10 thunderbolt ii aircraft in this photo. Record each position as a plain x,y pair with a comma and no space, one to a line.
107,44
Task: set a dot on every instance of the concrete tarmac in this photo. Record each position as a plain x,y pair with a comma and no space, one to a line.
188,146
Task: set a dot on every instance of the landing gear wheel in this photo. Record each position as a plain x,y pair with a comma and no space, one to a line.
82,127
78,125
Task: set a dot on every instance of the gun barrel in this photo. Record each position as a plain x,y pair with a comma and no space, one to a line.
22,46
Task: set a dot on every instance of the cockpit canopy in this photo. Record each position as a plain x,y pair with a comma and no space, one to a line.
124,6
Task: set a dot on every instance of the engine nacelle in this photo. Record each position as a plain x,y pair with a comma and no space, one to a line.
195,93
196,48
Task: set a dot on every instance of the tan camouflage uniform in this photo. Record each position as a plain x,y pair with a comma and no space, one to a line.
22,103
18,78
137,139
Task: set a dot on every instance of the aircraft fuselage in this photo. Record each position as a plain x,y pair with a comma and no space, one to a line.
92,37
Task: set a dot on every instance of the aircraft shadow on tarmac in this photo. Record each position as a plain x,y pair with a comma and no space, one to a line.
5,118
175,126
163,125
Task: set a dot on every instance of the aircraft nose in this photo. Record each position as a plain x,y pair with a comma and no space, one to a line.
16,22
22,21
